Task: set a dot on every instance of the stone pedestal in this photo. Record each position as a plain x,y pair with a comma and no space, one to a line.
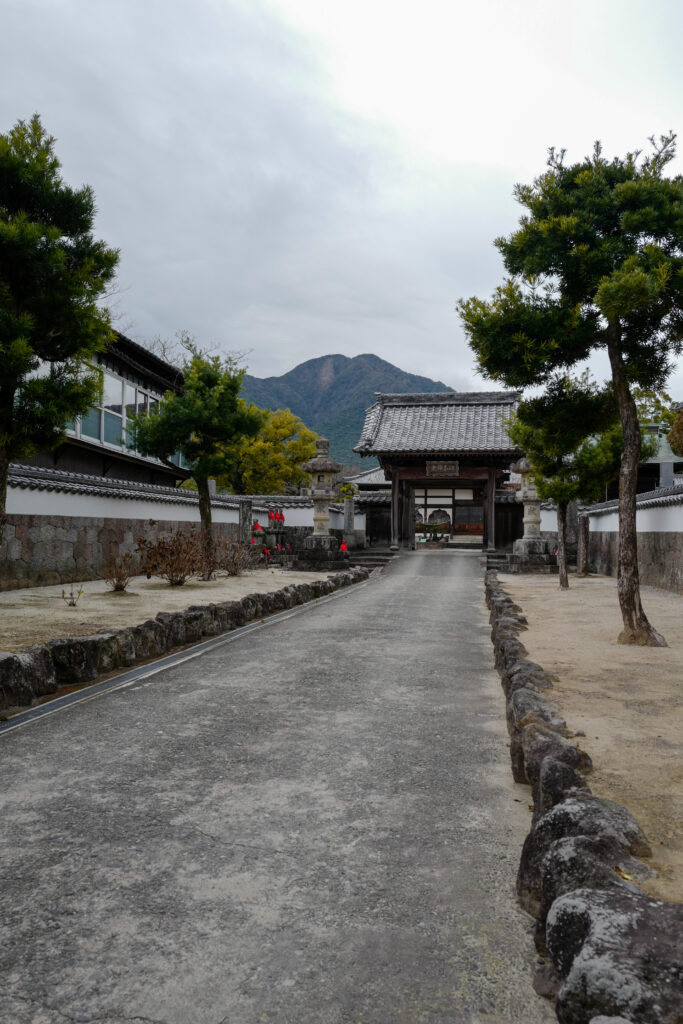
321,542
532,550
320,553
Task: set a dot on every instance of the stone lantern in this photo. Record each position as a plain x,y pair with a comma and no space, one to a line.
323,469
531,551
528,495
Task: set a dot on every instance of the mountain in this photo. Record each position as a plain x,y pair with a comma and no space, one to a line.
330,394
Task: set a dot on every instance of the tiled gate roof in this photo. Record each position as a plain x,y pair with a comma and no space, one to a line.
454,423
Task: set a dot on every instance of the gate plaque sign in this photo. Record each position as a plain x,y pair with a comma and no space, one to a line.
443,469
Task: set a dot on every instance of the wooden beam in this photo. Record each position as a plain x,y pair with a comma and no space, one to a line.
394,511
491,510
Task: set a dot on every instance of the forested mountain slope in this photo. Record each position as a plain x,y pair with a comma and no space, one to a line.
331,393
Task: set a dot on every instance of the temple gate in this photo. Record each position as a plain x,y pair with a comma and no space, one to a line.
445,455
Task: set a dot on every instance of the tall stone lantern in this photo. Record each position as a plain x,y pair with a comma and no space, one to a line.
323,470
528,495
531,550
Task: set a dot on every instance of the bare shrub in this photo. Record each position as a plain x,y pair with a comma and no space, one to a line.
73,596
120,570
174,558
231,557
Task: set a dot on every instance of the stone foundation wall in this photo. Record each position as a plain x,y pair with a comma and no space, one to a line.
660,557
43,550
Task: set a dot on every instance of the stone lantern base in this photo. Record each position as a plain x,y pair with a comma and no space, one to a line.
531,554
321,542
320,553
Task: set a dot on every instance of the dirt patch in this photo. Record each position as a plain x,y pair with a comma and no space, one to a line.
38,614
627,700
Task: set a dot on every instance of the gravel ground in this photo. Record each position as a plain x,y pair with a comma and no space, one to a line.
37,614
627,700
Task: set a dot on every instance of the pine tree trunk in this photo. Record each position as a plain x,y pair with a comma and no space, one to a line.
562,543
637,628
205,516
584,541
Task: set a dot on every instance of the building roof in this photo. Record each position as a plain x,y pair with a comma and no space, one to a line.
38,478
465,423
371,478
364,498
664,452
151,367
648,499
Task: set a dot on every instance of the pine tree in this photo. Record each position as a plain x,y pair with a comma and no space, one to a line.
602,243
571,436
53,274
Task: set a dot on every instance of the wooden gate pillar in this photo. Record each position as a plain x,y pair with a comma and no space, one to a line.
407,511
394,510
491,510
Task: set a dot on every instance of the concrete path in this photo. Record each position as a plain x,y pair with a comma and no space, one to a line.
312,824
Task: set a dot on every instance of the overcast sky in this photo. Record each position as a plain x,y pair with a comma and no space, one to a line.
293,178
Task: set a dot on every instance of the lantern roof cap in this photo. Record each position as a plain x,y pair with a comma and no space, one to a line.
322,463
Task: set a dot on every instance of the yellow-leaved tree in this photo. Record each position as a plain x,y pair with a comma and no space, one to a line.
272,459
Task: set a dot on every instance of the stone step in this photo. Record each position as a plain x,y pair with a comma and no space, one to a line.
371,559
378,560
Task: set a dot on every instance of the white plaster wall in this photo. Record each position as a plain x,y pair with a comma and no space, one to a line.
336,519
24,502
293,517
664,519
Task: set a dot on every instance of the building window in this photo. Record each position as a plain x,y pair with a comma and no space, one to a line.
108,424
90,424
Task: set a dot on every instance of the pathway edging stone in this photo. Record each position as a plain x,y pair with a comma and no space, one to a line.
614,953
42,668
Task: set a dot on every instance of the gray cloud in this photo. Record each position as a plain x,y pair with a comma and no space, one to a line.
248,207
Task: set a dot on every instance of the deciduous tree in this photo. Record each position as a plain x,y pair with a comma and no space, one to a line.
654,406
53,275
605,241
675,435
268,462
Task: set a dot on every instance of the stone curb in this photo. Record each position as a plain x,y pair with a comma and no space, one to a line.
42,668
611,953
